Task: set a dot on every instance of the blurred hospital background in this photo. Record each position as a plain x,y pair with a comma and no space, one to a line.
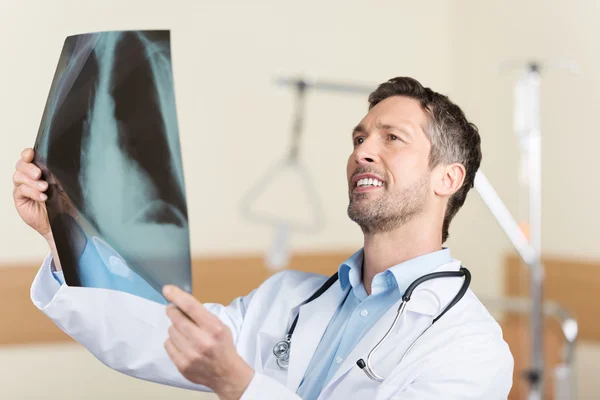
235,125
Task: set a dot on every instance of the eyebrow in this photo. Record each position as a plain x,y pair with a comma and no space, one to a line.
358,129
361,129
388,127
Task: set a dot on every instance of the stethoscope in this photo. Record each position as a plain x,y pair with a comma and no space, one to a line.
282,349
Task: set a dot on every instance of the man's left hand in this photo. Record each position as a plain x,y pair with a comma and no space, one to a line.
202,348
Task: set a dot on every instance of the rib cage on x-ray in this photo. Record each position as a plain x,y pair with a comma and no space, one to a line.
109,137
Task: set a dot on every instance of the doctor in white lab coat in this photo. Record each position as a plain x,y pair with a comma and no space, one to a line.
414,160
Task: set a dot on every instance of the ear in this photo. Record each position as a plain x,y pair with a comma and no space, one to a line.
450,179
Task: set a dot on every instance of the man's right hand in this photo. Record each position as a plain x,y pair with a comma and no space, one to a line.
29,196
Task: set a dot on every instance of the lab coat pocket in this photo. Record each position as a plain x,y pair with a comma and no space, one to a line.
268,361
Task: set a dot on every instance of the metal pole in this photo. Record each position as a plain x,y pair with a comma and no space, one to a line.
527,127
298,124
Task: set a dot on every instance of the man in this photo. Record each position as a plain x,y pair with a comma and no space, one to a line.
414,160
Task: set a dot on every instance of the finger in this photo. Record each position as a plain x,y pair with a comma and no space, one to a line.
182,322
29,169
19,178
28,192
27,155
190,306
199,339
184,344
175,355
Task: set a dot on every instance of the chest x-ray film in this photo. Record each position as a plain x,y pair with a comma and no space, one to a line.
108,145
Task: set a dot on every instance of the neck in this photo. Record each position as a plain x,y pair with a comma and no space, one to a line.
384,250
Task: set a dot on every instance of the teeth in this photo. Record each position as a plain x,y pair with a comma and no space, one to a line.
367,182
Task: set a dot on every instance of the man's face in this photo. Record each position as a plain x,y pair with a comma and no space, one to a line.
388,171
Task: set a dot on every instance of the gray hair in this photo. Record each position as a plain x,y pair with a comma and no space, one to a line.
453,138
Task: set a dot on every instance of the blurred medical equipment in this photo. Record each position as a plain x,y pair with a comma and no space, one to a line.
527,127
564,374
278,255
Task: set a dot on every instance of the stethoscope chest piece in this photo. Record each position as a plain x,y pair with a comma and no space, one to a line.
282,352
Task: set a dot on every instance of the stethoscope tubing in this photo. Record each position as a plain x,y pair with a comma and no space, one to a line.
366,366
283,356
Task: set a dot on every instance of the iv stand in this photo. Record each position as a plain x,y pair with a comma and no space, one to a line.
527,127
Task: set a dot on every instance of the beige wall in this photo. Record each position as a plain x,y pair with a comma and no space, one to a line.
68,372
235,123
485,33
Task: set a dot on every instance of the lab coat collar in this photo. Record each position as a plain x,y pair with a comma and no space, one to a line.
429,298
313,319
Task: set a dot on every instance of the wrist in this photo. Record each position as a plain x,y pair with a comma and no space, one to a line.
239,383
49,237
52,244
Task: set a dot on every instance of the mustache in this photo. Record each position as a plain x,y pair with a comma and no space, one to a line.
366,170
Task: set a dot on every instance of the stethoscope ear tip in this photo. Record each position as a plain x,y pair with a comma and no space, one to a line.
361,363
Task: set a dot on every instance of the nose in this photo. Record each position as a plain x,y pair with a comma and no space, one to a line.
367,152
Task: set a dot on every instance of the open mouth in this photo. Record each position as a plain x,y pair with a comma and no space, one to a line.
366,182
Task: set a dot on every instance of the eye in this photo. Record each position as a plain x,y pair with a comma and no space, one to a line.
359,140
394,137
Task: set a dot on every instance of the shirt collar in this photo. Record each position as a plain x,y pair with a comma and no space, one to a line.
350,270
399,276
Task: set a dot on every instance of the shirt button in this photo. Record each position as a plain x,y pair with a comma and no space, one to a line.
339,360
364,313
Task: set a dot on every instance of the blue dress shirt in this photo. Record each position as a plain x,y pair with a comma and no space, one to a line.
359,312
100,266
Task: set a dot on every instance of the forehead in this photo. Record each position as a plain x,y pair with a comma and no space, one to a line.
400,111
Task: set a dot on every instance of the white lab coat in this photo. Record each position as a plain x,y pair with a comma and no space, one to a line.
463,355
